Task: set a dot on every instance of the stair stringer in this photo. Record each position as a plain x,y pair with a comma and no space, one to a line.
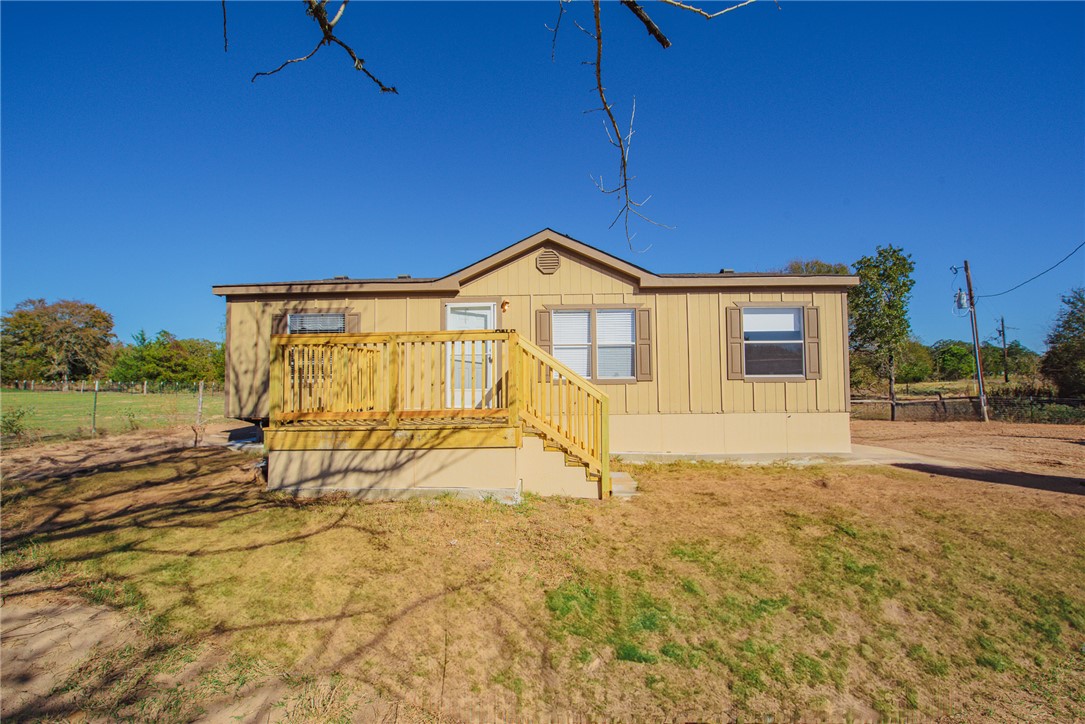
545,472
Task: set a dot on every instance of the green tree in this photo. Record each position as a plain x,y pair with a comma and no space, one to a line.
879,311
1018,360
67,339
814,266
953,359
1064,361
916,363
169,359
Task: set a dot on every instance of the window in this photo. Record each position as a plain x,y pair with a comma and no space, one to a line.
600,344
572,340
772,342
617,343
316,323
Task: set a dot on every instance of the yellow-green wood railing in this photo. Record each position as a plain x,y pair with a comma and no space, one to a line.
434,377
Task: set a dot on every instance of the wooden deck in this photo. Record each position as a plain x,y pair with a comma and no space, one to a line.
451,389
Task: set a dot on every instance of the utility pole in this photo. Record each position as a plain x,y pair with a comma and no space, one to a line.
1005,354
976,341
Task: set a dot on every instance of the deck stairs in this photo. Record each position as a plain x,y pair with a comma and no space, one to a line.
435,388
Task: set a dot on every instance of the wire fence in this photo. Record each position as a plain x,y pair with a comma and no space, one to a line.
30,415
145,387
1057,410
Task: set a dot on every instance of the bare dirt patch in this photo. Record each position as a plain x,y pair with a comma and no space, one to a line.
720,592
1056,450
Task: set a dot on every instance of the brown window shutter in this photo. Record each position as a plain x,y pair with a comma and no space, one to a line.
543,337
353,323
644,345
278,324
734,343
811,332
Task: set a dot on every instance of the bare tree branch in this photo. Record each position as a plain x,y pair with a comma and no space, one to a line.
616,139
339,14
288,62
317,9
652,28
704,13
554,30
225,40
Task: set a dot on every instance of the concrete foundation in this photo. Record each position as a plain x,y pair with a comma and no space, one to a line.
708,435
501,473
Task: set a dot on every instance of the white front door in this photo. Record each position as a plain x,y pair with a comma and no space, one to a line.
470,369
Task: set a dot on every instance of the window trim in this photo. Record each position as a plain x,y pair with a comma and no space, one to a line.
280,322
639,375
810,339
801,314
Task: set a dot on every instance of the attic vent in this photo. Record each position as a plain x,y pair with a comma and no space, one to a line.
548,261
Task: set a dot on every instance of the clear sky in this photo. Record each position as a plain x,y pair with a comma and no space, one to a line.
140,166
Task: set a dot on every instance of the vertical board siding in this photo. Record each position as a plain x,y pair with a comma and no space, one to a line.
688,338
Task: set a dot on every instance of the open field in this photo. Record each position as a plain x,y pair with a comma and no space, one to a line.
66,415
719,592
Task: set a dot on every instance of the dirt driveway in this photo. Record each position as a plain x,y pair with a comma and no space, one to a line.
1034,455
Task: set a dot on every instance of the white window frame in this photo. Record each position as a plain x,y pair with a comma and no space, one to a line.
589,345
593,345
801,341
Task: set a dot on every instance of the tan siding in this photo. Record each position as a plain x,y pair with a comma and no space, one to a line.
673,352
574,276
391,315
687,331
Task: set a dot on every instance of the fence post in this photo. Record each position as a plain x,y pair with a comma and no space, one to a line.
31,385
145,387
82,386
199,406
94,411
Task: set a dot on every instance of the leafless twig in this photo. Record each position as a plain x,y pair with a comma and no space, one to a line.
555,29
292,60
225,40
317,9
616,139
704,13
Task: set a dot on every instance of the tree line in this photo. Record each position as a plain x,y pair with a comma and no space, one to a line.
74,340
884,350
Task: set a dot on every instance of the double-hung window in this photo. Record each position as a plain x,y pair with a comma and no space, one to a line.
772,341
599,344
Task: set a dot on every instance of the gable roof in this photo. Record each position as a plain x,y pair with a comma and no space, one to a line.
640,277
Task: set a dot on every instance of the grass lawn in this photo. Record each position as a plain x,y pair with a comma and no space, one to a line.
720,592
66,415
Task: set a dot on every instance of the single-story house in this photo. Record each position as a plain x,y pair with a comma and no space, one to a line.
528,369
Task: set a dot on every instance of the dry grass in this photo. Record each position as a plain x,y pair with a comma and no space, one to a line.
719,592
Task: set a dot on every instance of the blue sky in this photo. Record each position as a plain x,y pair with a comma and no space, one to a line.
140,166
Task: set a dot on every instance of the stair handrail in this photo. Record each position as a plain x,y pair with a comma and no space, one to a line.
589,441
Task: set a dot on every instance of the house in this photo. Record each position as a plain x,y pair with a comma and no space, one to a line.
527,370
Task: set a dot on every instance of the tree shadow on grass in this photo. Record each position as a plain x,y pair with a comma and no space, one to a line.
1052,483
96,508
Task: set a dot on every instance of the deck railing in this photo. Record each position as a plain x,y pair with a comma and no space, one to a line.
437,377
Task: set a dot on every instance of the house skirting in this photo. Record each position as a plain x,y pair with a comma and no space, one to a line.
755,433
503,473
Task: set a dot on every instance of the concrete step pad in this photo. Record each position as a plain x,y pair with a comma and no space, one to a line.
622,485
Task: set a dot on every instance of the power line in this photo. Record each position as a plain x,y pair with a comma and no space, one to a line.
1045,271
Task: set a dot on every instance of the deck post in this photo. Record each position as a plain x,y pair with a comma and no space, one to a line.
513,385
604,448
393,381
275,383
515,390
